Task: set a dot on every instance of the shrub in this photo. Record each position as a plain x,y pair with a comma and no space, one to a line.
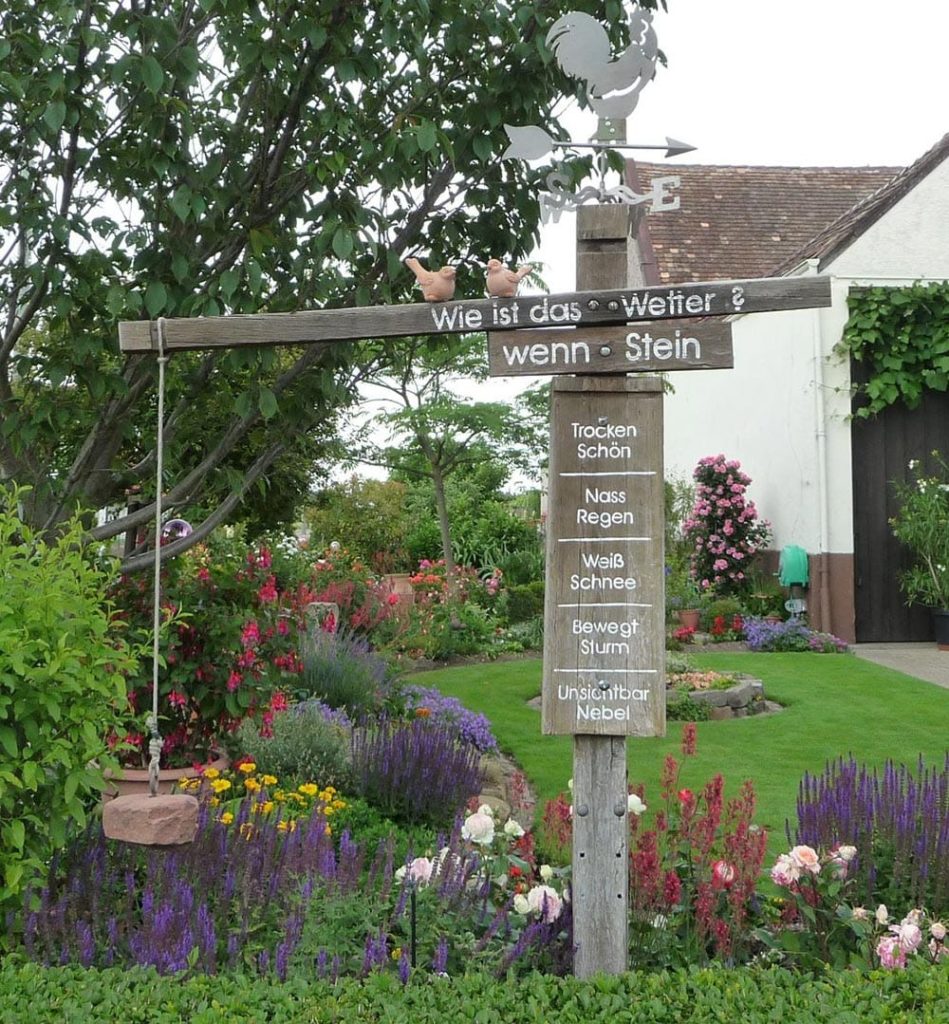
230,643
342,670
63,661
522,602
415,771
791,635
724,528
306,741
898,820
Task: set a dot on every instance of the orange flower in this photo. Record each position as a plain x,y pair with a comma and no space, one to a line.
422,712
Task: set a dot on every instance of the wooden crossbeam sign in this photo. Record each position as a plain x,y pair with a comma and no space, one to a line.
571,309
625,348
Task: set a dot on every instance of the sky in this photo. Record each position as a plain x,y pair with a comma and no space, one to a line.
818,83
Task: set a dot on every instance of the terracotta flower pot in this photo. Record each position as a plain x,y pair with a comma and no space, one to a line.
129,781
689,617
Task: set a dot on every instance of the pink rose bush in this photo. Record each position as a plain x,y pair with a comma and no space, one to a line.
724,527
817,923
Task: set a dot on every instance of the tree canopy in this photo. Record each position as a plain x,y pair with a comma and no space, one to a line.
201,157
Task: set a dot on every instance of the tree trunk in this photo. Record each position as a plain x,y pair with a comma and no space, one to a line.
441,506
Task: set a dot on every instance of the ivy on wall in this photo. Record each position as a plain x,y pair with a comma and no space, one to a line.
902,335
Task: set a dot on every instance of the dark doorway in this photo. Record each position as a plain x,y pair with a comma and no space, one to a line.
882,447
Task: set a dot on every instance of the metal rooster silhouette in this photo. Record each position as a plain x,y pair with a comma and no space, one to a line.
581,47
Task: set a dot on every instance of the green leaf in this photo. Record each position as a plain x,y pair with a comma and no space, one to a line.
342,243
55,114
426,135
152,74
180,202
156,295
267,403
8,740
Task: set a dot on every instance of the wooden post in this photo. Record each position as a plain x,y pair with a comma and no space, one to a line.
600,828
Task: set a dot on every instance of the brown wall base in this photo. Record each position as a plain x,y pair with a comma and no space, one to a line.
829,595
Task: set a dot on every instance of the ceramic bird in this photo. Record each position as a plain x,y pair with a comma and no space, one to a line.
436,285
503,282
581,47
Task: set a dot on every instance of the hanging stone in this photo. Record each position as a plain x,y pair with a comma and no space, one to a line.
146,820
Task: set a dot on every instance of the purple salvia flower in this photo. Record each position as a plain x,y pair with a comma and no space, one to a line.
440,960
405,968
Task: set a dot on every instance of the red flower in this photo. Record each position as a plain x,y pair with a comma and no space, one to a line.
176,699
689,739
686,796
234,680
268,592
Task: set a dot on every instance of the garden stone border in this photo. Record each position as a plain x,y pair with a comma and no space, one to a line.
743,699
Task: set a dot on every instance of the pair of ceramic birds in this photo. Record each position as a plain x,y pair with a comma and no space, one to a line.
439,285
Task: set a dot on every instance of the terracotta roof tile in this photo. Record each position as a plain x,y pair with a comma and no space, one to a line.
741,222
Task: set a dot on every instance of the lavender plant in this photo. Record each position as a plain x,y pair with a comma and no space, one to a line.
471,727
897,819
793,634
415,771
343,671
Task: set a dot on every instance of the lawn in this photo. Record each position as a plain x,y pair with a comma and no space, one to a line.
833,705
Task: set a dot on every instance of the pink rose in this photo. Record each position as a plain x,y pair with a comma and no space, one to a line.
785,871
419,870
890,952
805,857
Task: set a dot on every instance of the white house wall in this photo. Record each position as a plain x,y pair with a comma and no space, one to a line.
764,411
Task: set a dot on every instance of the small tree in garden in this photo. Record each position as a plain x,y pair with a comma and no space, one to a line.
724,527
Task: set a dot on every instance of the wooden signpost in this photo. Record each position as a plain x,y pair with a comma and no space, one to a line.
604,618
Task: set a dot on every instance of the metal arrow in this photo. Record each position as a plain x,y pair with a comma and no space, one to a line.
528,142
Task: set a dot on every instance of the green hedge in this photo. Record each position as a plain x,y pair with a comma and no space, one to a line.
72,995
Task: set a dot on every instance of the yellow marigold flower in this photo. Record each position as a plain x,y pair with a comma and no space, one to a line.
338,805
269,780
396,953
282,826
211,773
327,831
248,767
252,785
267,806
226,818
214,801
308,789
280,796
221,785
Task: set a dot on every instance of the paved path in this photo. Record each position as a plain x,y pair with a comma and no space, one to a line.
924,661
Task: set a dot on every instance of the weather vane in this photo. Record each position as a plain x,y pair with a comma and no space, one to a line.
581,47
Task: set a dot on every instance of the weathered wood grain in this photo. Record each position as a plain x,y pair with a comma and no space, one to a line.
600,886
604,608
598,304
629,348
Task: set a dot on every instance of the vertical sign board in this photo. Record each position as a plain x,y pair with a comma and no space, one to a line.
604,641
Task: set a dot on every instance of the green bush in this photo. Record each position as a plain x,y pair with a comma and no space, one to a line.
62,690
522,602
31,994
304,746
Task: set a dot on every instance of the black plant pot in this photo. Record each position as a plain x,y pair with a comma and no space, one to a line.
941,628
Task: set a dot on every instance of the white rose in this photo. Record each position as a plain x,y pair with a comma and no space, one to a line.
937,930
860,913
544,900
486,809
521,906
546,872
512,828
846,853
634,805
478,828
882,914
400,873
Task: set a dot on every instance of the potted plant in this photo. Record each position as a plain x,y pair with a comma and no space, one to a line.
922,524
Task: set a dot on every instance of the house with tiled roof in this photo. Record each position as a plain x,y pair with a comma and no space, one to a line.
823,478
